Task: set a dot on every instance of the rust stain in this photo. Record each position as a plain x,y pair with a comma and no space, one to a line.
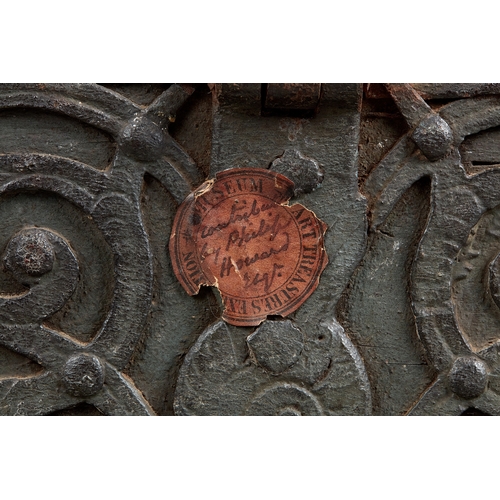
236,232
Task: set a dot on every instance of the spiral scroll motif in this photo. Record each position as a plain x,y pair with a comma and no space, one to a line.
454,275
46,264
277,370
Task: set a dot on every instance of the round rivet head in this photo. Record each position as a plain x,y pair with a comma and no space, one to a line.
276,345
303,171
83,375
433,136
29,253
468,377
143,139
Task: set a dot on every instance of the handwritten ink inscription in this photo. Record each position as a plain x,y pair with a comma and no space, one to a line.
236,233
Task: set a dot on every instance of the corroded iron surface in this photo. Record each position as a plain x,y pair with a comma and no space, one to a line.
348,235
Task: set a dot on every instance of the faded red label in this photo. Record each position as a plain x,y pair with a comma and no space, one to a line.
237,233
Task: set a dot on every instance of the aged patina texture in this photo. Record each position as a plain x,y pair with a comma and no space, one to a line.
402,311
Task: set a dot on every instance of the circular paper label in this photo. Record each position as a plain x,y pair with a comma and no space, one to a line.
237,233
